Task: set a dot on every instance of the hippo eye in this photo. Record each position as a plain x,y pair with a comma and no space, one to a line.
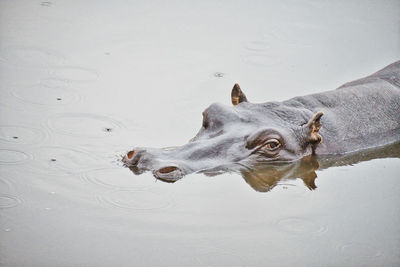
272,144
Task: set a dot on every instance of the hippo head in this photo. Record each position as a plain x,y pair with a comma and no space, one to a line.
244,135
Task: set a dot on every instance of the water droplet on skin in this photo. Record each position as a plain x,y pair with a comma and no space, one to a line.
47,208
7,229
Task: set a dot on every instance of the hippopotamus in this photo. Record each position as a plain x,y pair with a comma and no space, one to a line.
358,115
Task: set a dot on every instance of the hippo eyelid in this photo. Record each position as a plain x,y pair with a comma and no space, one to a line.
262,137
272,144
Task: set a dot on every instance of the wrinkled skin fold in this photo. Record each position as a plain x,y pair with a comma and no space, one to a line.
359,115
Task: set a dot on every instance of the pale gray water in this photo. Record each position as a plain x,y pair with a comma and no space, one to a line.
146,70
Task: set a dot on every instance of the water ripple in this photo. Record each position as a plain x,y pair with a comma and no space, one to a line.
5,184
261,60
301,226
9,201
84,125
30,56
361,250
12,156
62,161
76,74
260,54
25,135
41,94
116,179
136,200
257,46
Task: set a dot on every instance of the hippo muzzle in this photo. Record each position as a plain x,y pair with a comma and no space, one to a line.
172,164
156,160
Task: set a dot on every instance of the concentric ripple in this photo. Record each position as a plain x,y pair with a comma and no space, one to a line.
301,226
361,250
259,54
21,134
136,200
11,156
41,94
62,161
28,56
83,125
5,185
9,201
257,46
76,74
116,179
54,82
260,60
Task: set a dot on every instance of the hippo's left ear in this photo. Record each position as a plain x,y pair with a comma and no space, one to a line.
313,126
237,95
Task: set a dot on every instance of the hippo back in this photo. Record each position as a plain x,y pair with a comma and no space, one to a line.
391,74
361,114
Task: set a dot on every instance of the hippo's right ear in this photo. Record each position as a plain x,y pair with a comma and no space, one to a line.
313,127
237,96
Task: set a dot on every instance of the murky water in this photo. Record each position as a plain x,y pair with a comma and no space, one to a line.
82,83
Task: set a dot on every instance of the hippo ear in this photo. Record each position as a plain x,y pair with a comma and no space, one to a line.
237,96
313,126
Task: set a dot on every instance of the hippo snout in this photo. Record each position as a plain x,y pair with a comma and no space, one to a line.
134,157
144,159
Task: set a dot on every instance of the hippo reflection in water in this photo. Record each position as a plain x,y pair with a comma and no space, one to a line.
359,115
263,177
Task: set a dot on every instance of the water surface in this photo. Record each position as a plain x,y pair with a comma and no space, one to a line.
82,83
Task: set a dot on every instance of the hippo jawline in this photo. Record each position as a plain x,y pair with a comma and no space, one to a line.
333,122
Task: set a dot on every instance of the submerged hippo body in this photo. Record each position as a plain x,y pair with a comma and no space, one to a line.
358,115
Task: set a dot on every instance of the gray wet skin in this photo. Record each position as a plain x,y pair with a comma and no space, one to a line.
358,115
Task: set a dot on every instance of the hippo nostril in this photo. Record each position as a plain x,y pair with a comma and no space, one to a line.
168,174
168,169
129,158
130,154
